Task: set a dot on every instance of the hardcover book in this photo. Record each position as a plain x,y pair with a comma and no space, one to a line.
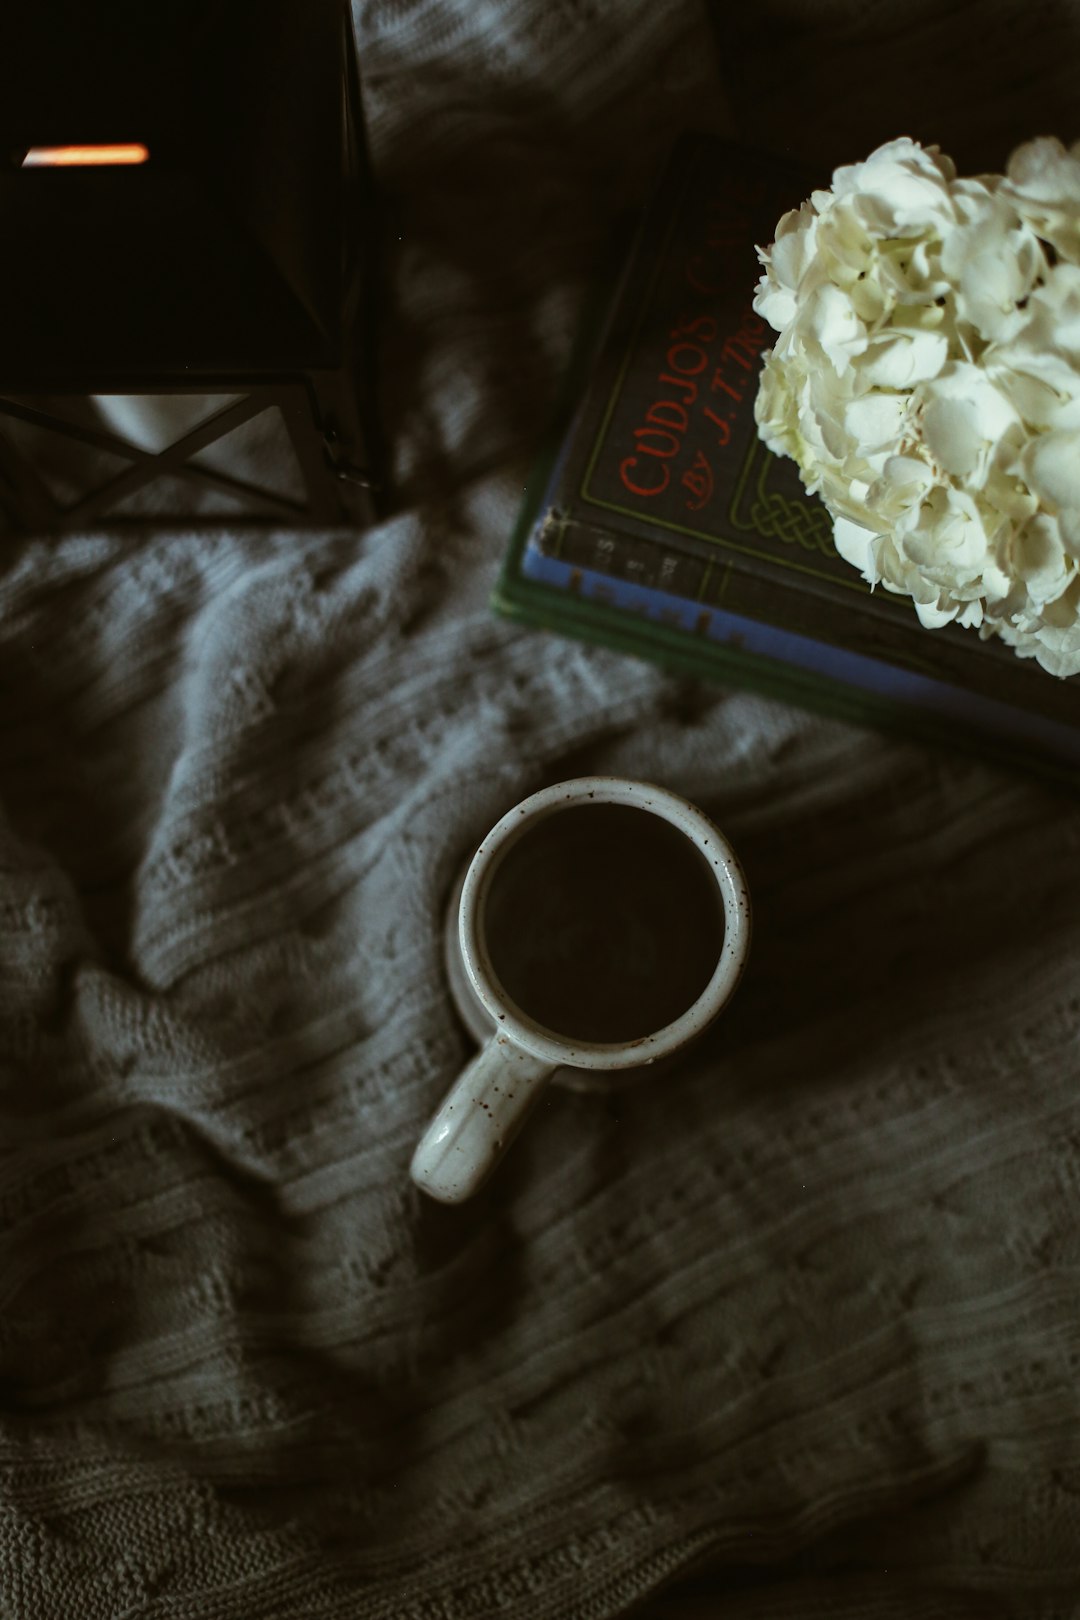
659,523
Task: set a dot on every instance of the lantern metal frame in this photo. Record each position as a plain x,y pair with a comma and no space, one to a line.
325,399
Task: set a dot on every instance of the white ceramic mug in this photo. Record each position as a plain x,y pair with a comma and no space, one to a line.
603,925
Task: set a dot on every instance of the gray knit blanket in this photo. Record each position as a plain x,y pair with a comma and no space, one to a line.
795,1332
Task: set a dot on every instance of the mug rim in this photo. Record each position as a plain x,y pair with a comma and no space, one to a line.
511,1020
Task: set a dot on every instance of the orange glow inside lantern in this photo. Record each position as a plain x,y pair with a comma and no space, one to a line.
63,157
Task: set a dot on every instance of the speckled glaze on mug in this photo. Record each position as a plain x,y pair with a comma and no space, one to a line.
494,1094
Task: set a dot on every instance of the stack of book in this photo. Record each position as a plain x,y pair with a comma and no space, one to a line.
657,522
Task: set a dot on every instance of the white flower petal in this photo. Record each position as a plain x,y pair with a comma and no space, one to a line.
875,421
899,187
1051,464
1043,184
829,321
901,359
793,251
964,417
1041,561
991,284
933,615
1043,171
950,427
1069,529
855,545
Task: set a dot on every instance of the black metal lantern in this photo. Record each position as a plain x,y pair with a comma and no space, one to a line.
186,267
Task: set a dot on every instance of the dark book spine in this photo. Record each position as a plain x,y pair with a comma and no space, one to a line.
736,586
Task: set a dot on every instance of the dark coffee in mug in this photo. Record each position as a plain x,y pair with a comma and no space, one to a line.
603,922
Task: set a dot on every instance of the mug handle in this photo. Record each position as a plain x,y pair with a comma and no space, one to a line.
479,1118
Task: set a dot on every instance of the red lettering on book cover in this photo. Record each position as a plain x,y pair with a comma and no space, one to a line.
699,372
631,476
698,481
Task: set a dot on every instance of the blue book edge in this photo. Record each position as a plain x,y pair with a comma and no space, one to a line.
995,720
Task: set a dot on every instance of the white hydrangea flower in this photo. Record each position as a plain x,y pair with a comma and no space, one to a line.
926,379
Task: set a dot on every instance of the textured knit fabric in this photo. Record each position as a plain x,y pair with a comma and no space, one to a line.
799,1326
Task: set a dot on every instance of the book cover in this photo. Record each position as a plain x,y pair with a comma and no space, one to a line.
659,522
